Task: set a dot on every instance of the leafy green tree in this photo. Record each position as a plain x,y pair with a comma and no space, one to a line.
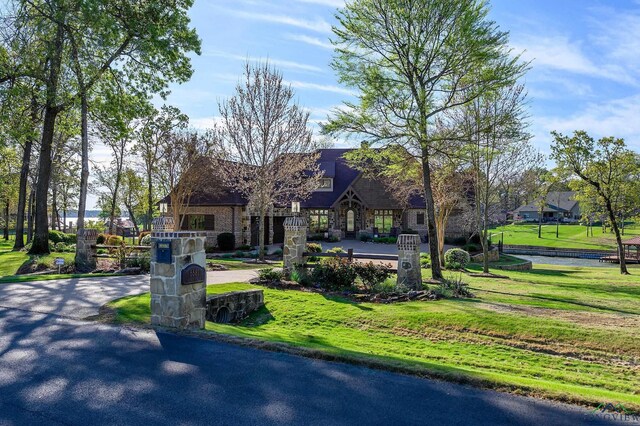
409,61
142,45
605,167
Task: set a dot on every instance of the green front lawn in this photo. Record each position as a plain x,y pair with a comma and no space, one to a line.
238,264
11,261
570,236
560,332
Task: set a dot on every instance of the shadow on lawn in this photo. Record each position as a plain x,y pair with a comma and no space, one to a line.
342,299
559,300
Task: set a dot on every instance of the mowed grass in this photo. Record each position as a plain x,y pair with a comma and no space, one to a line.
239,264
569,236
11,261
560,332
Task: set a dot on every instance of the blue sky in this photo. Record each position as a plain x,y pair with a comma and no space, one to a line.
585,59
585,71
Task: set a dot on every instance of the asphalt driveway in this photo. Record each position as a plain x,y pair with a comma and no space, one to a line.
56,370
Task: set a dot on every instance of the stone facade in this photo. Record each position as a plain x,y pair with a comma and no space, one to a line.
172,303
234,306
295,242
227,219
409,271
86,250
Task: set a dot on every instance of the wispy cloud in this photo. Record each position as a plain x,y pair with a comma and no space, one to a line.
314,41
618,117
331,3
321,87
277,62
317,25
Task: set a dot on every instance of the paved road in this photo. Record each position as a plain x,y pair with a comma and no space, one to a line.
82,297
56,370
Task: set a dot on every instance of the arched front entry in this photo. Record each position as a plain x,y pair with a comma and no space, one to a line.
349,215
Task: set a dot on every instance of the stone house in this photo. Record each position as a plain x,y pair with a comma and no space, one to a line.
345,206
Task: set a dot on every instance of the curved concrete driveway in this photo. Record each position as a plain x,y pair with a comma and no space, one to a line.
82,297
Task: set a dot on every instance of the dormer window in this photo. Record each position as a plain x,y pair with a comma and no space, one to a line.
325,185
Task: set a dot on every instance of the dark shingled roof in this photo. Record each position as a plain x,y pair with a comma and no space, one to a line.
332,163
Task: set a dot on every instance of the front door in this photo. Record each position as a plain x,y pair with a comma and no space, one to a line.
351,224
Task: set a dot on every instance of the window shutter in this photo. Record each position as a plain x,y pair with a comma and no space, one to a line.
420,219
209,222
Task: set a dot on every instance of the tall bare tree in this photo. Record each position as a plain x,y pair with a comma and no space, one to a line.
498,148
186,168
268,147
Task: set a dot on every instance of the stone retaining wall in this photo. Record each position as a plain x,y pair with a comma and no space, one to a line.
524,266
234,306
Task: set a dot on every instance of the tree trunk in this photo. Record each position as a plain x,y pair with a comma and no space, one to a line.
64,220
436,271
261,234
40,244
84,174
30,215
54,208
132,217
24,178
540,225
483,240
616,230
6,220
149,199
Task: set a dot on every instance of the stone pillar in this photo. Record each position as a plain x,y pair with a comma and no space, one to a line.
178,276
409,271
295,242
86,251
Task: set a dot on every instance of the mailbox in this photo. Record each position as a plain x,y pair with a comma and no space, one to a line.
163,251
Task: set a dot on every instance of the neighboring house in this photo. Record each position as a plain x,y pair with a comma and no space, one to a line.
558,205
124,227
346,206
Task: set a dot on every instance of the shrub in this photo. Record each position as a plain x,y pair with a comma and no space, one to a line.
269,274
372,275
410,231
245,247
114,240
385,240
142,261
454,287
145,240
300,276
471,248
365,238
56,237
425,260
226,241
239,253
335,274
314,248
60,247
456,258
336,250
333,239
102,238
277,252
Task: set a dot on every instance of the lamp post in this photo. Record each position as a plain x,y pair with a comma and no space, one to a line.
295,208
164,208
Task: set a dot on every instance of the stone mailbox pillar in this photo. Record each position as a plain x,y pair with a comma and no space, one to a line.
86,250
178,278
295,242
409,271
